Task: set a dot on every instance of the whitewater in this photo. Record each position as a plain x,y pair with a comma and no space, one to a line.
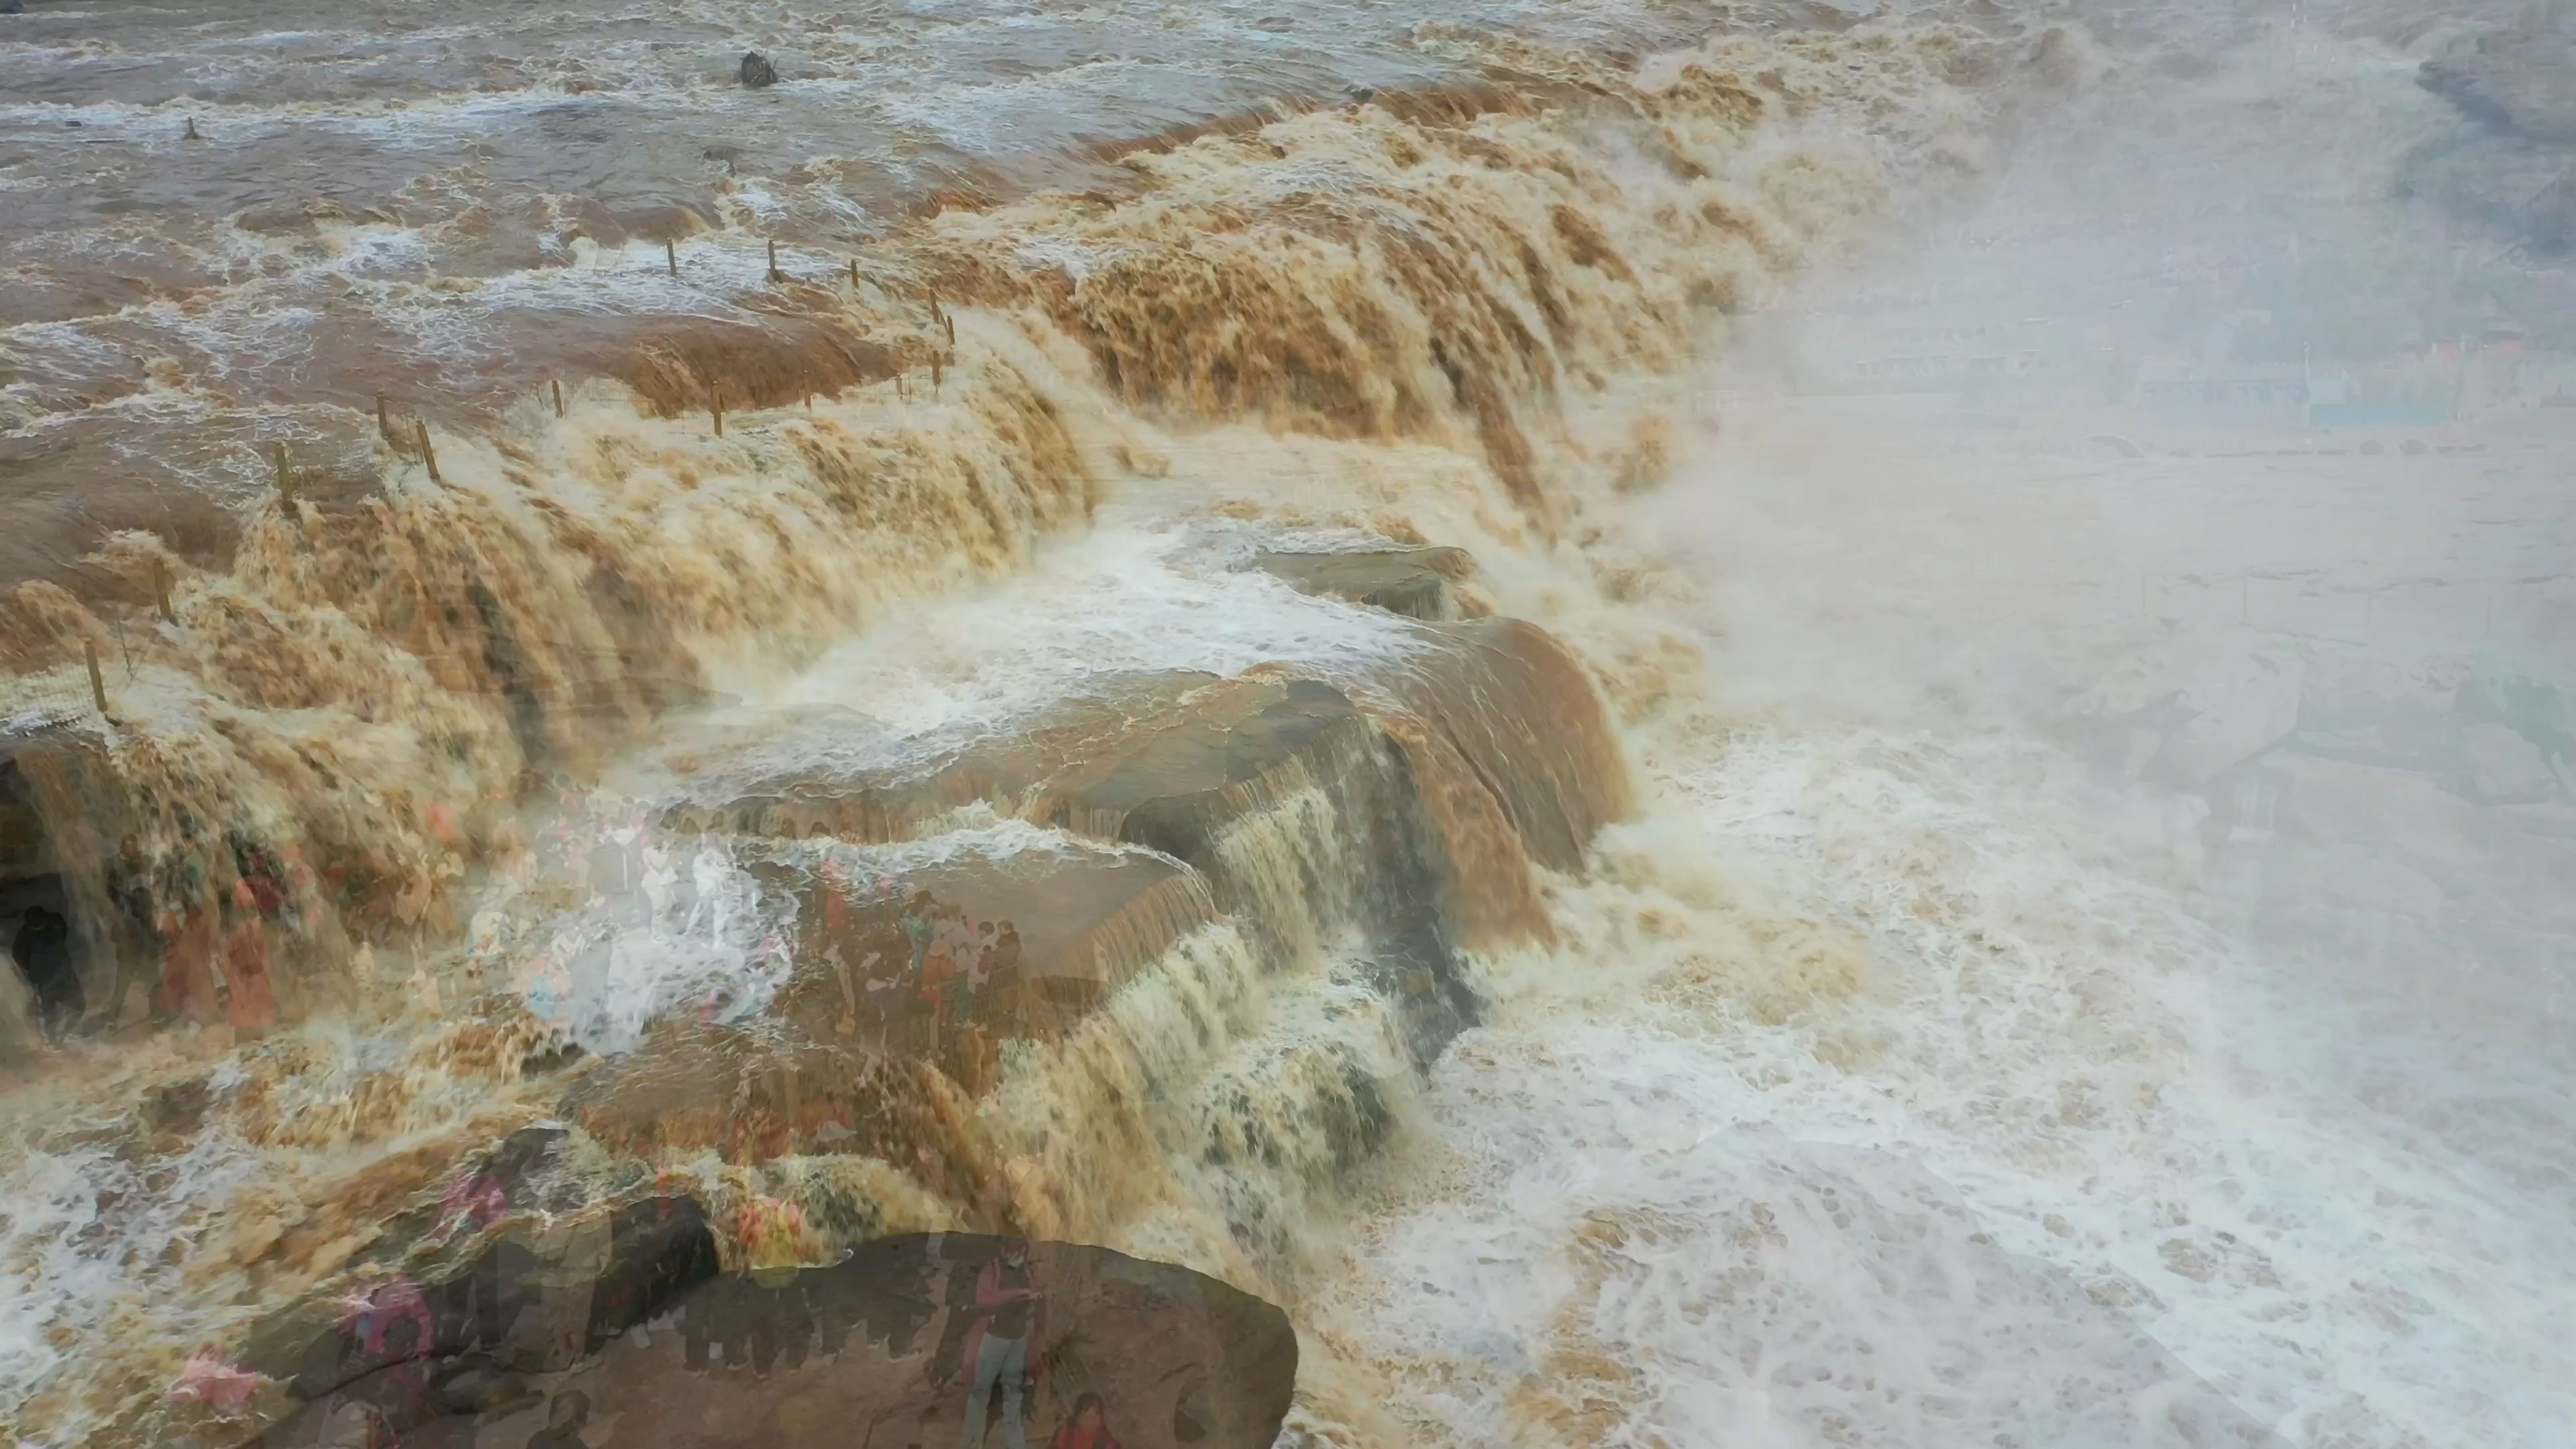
503,430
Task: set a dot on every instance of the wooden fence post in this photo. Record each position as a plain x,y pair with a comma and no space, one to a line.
161,590
671,256
429,455
97,682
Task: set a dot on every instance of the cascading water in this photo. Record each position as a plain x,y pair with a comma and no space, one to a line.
993,637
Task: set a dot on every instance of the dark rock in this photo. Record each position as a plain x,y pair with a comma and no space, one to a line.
1482,754
2508,171
13,7
470,1331
1410,581
2514,82
843,1354
1182,763
756,70
2517,188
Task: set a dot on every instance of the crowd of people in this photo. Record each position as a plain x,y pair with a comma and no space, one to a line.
946,962
210,941
595,905
485,1344
601,913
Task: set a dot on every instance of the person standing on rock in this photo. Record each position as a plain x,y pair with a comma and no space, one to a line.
572,1254
707,874
1008,1312
129,884
660,882
190,988
251,1005
945,963
916,929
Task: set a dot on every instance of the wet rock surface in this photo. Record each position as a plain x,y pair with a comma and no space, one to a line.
846,1004
1413,815
2513,81
2506,169
2503,766
885,1345
1411,581
756,71
2390,810
526,1291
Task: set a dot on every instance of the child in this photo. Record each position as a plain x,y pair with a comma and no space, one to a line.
1087,1429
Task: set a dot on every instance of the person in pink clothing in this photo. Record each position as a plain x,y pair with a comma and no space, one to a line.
251,1004
1009,1313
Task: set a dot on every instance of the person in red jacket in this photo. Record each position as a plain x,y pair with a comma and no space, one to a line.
1008,1314
1088,1428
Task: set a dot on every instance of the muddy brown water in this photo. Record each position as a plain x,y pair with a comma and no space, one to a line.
461,204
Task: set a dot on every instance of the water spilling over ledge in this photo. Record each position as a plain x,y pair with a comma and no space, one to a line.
804,730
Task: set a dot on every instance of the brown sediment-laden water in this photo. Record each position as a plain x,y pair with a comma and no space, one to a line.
1093,623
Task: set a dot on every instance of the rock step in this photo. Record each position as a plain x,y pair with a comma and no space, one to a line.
1410,581
792,1357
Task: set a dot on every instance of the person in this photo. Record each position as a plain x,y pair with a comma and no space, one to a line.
190,987
477,1197
996,981
572,1254
660,882
564,1418
916,929
985,946
1087,1429
129,884
841,976
882,995
707,873
401,1387
1008,1313
938,966
251,1005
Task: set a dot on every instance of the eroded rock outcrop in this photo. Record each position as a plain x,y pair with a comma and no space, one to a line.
882,1346
1411,581
2506,168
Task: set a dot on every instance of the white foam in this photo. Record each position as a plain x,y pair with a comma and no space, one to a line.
1126,599
2072,1167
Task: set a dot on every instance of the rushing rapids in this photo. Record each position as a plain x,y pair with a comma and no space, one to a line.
762,699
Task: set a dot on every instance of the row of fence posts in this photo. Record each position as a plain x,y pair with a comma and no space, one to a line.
284,464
